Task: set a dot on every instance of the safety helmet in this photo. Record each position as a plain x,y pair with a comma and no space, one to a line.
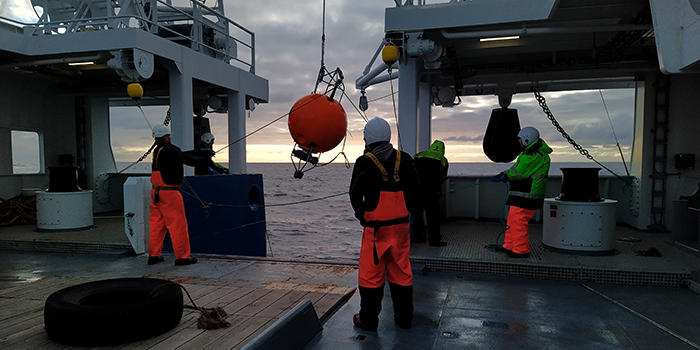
160,131
377,130
529,135
207,138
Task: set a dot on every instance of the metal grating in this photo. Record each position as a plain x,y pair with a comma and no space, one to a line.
63,247
557,273
466,253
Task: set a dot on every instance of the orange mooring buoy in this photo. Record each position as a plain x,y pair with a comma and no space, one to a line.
317,123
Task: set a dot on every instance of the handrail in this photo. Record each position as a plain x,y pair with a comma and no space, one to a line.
199,27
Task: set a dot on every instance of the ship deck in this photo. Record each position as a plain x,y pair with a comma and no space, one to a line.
465,295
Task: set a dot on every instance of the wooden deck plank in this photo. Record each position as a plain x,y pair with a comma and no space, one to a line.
286,302
187,337
60,283
314,297
41,289
187,328
25,321
187,322
264,299
328,303
213,295
9,314
254,334
180,337
15,340
35,340
235,336
193,290
242,302
200,339
250,309
51,345
24,287
257,306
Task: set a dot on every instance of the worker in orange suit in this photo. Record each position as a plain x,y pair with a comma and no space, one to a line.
528,178
383,189
167,208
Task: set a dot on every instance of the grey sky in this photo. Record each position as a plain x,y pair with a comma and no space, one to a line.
288,47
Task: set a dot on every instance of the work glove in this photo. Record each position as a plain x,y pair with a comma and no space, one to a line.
207,152
499,178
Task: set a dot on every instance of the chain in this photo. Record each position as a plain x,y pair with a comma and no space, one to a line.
634,198
543,103
107,181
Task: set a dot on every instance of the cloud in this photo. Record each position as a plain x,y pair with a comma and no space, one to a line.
288,54
463,138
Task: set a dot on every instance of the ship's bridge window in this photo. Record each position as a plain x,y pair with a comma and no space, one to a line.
26,157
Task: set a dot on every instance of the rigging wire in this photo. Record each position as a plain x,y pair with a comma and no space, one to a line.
383,97
634,183
144,114
323,48
396,115
543,104
266,125
350,100
105,185
614,134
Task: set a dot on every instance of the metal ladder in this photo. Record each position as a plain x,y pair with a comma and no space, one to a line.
658,175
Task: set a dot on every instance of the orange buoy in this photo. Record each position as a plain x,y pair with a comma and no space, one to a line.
317,123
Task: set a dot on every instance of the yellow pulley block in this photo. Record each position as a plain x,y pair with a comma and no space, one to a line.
390,54
135,90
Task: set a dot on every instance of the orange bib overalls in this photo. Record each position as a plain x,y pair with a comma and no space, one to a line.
167,214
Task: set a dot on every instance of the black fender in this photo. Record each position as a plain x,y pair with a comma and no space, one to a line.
501,137
113,311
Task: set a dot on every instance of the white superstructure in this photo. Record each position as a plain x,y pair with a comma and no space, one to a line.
505,47
60,75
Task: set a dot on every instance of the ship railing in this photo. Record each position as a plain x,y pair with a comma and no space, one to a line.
476,197
402,3
200,27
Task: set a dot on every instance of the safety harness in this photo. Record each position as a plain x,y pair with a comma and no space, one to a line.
381,167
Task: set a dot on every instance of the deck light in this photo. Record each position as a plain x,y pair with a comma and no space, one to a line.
501,38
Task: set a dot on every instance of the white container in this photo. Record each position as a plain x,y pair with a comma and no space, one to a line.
137,208
63,210
585,227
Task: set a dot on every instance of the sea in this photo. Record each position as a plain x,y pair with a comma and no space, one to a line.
311,218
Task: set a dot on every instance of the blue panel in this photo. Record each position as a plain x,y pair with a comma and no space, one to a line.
234,224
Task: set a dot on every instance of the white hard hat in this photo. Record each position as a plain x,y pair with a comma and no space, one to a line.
160,131
377,130
529,135
207,138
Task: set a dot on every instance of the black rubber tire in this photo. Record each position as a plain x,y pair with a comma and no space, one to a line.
112,311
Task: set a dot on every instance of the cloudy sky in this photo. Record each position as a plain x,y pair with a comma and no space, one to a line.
288,45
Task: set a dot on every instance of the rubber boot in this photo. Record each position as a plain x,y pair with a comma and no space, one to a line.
417,225
402,299
370,307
